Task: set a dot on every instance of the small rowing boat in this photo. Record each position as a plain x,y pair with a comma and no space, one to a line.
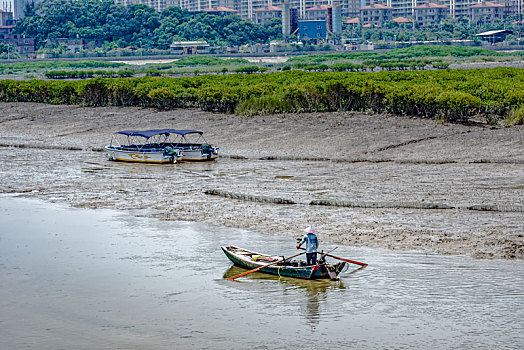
281,267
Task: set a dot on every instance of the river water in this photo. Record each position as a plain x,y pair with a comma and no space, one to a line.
100,279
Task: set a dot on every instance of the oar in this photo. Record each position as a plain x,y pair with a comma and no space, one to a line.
330,272
347,260
263,267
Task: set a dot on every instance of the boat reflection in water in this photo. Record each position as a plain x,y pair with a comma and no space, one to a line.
316,292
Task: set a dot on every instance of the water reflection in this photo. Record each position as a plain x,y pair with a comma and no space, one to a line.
311,295
134,283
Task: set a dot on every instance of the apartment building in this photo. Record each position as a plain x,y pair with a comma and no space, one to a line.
266,13
158,5
375,14
402,8
318,12
486,12
430,13
456,8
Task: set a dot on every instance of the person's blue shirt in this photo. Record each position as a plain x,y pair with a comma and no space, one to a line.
311,241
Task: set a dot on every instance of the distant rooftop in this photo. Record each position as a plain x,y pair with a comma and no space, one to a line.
376,7
318,7
431,5
486,4
268,8
220,9
402,20
495,32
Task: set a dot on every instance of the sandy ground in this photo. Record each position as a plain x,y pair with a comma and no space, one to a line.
387,167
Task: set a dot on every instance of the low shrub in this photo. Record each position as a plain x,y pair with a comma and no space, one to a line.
515,116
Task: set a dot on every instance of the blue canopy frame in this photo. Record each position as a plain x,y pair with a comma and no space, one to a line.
150,133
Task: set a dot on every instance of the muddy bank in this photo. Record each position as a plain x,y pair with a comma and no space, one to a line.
326,157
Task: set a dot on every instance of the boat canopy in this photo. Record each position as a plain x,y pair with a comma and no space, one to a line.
150,133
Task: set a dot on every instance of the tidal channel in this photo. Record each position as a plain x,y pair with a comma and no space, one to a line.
102,279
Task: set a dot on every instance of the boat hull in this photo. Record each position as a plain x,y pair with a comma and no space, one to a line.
158,157
197,155
303,272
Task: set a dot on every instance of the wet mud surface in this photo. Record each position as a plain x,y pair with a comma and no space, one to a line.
378,175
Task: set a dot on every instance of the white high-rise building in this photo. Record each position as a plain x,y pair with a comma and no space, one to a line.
18,8
158,5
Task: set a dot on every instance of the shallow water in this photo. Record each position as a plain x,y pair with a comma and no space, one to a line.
99,279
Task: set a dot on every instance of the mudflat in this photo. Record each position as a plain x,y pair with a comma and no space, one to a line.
360,179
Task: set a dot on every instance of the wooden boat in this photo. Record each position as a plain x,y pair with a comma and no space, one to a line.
147,146
288,268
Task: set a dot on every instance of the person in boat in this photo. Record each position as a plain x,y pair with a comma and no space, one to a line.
311,240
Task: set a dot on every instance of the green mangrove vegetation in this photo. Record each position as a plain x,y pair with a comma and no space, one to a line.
413,58
453,95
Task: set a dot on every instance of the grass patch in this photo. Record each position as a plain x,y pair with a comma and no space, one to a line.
515,116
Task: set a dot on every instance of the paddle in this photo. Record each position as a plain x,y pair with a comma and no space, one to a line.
346,260
263,267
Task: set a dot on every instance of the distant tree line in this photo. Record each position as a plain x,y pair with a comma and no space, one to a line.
452,95
136,25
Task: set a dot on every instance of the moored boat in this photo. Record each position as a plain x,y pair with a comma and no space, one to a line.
143,146
282,267
194,146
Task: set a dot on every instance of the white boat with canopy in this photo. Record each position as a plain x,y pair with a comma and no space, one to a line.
160,146
147,146
194,146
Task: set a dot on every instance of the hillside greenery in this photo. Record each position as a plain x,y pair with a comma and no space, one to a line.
136,25
454,95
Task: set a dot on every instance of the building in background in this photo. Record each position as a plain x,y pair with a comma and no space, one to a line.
513,7
221,11
190,47
402,8
17,7
403,20
6,18
456,8
335,19
266,13
314,30
430,13
310,27
289,20
459,8
486,12
317,13
25,47
158,5
375,14
494,36
75,45
260,10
